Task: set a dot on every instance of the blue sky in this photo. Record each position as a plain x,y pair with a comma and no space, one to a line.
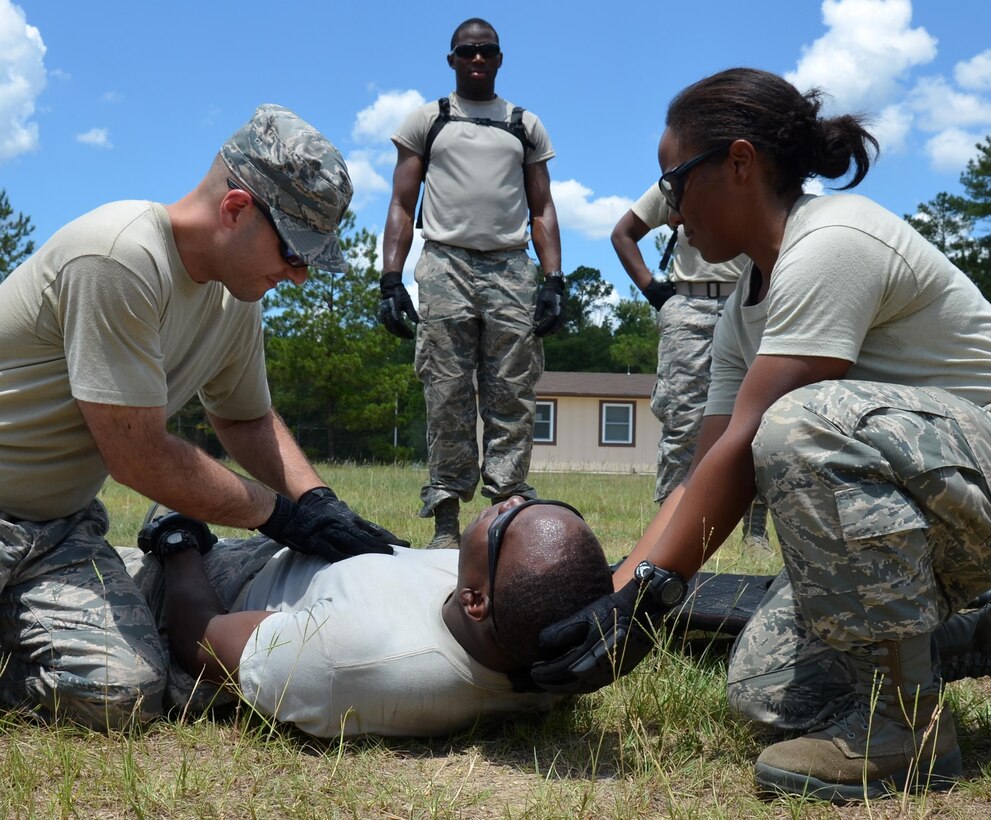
117,100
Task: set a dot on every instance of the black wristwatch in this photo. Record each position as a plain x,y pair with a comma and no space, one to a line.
667,588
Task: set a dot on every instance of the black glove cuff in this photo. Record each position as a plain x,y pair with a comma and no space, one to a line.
554,283
276,523
389,280
658,292
317,494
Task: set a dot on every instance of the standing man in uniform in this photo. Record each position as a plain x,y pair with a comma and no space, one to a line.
483,164
688,306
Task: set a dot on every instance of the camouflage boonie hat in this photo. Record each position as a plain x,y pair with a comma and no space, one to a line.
295,170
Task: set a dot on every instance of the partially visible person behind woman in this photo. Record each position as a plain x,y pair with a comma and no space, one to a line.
851,384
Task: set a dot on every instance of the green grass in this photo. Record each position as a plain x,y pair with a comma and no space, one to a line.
659,743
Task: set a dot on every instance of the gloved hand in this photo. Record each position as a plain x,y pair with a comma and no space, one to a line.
175,532
321,524
549,316
395,302
658,292
599,643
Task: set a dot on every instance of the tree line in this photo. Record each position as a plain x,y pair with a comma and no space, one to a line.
347,389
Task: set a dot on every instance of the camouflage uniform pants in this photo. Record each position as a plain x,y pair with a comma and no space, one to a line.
476,323
880,496
77,637
684,353
229,566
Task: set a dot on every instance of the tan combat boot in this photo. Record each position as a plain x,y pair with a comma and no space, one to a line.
447,529
895,734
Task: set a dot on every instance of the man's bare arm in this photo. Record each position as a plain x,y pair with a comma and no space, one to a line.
268,451
543,215
142,455
398,236
204,638
628,232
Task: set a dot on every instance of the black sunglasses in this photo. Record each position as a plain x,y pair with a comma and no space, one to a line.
672,183
497,532
290,257
469,50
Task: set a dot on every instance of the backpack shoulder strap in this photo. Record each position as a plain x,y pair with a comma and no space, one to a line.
443,118
518,130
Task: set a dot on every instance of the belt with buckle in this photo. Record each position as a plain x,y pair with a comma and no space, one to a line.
712,290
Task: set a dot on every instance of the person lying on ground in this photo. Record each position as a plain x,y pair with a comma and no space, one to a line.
420,643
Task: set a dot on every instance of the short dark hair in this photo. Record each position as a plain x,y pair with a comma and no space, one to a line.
472,22
529,599
770,113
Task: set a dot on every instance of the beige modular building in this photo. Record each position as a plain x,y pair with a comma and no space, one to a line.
595,422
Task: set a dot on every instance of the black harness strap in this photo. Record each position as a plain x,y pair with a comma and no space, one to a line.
514,126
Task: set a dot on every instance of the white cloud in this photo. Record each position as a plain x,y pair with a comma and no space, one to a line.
940,107
868,48
111,97
96,137
594,218
814,186
975,73
378,122
891,127
22,79
367,182
951,149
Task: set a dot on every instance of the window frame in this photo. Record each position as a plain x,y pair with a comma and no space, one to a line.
550,442
631,406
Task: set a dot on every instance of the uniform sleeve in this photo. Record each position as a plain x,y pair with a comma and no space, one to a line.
284,670
728,369
111,319
825,293
651,208
240,391
412,134
542,149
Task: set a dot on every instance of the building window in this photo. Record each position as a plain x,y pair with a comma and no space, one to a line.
616,427
545,423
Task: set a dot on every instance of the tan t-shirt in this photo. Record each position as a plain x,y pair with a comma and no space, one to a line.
687,264
105,312
473,194
855,282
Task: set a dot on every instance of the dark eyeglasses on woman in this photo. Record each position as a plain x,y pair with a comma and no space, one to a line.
672,183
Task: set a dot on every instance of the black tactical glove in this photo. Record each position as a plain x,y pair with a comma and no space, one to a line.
609,637
395,302
175,532
321,524
549,316
658,292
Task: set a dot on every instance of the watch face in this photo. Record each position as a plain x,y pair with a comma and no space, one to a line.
672,592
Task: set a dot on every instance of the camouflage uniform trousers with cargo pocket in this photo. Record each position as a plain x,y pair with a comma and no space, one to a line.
229,567
476,320
880,495
684,353
77,638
